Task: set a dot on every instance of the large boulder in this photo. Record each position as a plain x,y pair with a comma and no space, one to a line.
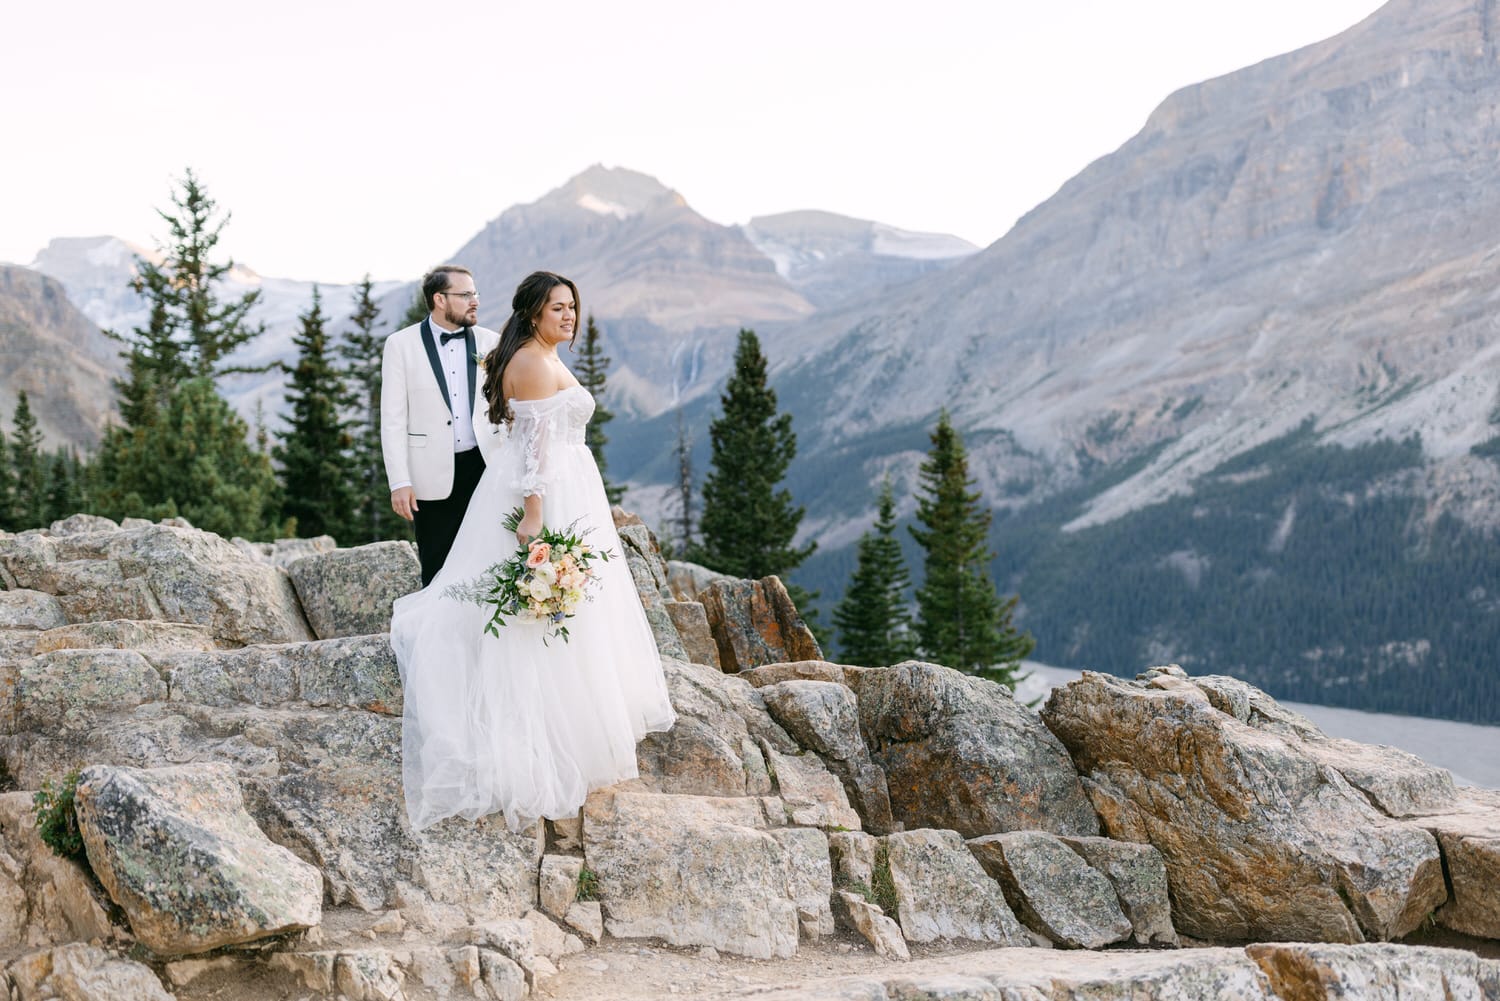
80,972
1469,835
714,749
1052,889
159,572
1375,972
177,851
754,622
943,894
348,592
44,898
314,734
24,609
701,871
73,689
823,717
960,754
643,558
1139,877
1260,839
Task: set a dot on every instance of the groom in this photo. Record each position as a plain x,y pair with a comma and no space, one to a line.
430,409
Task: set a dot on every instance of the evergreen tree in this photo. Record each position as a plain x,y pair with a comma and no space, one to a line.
748,525
684,487
872,619
592,369
190,329
7,487
170,363
317,469
64,486
29,503
361,352
961,621
192,460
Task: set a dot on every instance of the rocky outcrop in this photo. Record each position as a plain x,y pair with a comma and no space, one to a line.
1052,889
696,871
823,716
81,972
754,622
1272,972
716,747
745,833
177,851
960,754
159,572
943,894
1261,840
43,897
1139,878
348,592
1296,971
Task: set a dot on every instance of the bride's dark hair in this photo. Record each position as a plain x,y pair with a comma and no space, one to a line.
526,305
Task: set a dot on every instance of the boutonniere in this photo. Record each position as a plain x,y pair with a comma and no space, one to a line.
479,359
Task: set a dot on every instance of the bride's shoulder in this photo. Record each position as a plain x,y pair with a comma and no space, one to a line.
528,377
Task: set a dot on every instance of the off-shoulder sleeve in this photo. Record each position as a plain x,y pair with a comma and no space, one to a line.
537,426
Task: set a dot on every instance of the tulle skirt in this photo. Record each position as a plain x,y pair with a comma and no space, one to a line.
512,724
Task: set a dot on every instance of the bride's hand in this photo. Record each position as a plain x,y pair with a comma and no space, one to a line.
528,528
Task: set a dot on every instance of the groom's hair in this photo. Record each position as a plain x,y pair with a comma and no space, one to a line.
437,280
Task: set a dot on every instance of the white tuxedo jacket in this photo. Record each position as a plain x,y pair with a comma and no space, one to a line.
416,426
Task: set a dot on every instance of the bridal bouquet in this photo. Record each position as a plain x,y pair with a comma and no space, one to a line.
545,582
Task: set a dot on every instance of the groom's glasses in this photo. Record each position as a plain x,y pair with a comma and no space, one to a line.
471,296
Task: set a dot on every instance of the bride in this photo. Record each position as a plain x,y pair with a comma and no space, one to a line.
517,723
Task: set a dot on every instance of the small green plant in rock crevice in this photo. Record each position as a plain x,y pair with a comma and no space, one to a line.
56,819
884,889
588,884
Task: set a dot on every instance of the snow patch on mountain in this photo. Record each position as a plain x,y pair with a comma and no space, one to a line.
888,241
594,203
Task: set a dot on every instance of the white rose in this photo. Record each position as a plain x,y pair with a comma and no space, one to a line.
539,589
546,572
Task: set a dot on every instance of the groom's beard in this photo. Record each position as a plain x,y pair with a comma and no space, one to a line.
455,320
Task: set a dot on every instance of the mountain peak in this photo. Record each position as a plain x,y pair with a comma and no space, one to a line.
614,191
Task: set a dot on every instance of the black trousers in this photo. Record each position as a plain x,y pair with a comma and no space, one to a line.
436,521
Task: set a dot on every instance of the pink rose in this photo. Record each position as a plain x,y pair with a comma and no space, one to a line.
541,553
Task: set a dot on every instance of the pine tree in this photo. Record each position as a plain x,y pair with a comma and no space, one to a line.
684,453
748,525
592,370
190,329
872,619
64,486
7,487
194,460
317,469
360,352
168,389
961,621
29,504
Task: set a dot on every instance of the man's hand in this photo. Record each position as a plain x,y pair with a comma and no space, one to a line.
404,501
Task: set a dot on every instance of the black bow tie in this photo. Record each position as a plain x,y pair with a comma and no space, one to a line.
447,336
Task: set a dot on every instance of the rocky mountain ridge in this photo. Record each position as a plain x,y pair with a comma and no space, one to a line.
57,357
239,702
1307,238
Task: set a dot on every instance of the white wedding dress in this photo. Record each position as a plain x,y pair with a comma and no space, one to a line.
512,724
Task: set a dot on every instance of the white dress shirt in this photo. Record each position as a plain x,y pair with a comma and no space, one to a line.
454,356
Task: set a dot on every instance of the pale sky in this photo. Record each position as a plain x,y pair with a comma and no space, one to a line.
354,137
